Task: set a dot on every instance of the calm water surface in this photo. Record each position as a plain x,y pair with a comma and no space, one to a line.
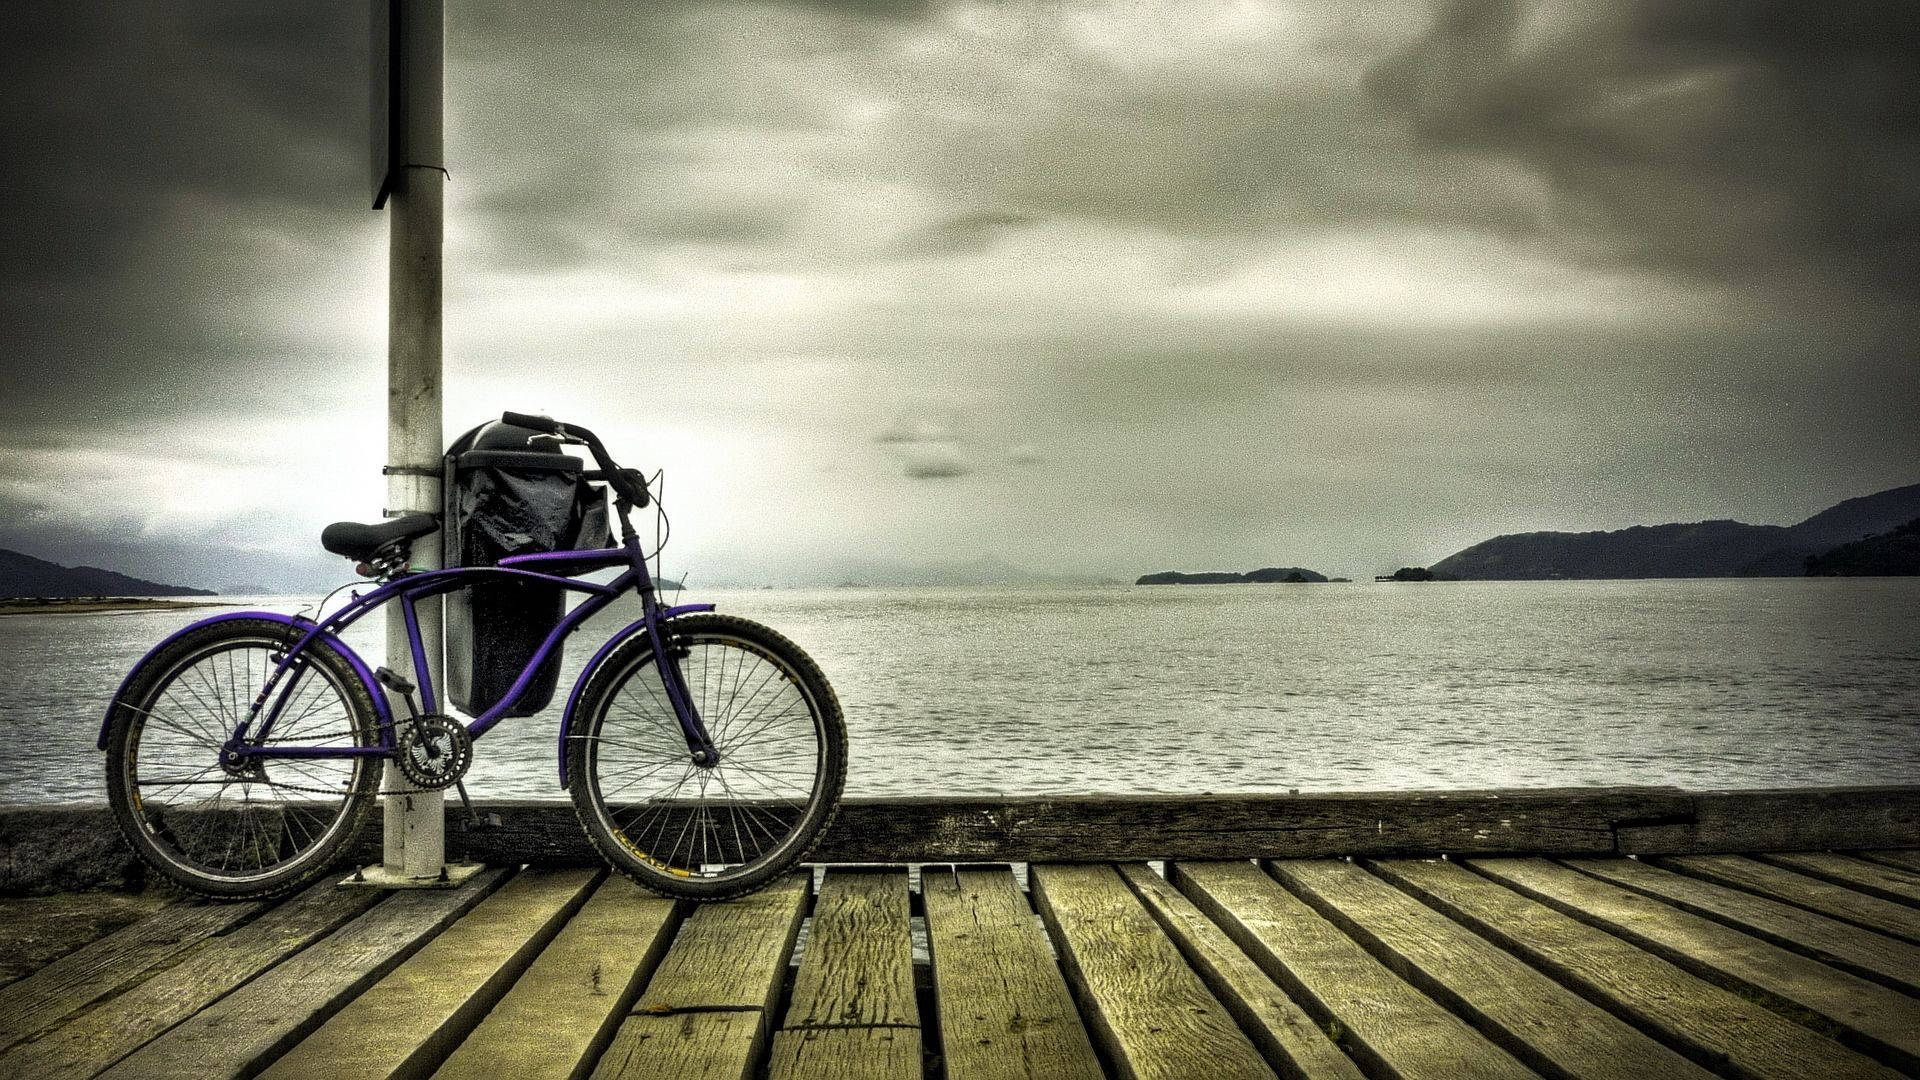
1719,683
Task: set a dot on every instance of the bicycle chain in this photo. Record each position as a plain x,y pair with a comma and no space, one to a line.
305,790
278,786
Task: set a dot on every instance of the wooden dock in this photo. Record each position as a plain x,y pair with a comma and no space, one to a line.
1789,963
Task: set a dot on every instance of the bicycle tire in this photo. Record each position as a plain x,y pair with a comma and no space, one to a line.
723,856
269,845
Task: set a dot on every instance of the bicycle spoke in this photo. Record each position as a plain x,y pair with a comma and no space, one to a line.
643,776
732,715
188,709
748,736
736,809
168,722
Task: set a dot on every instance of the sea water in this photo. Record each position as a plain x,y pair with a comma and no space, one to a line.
1226,688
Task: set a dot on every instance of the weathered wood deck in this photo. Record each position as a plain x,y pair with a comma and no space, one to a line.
1767,965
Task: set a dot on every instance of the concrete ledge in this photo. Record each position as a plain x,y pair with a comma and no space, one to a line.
60,848
1811,819
64,848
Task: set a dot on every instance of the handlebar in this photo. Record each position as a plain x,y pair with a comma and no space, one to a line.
629,484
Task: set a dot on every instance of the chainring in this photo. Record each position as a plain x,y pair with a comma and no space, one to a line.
434,751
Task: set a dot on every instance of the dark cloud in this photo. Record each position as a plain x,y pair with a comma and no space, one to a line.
910,430
1743,140
1294,283
160,163
935,461
962,233
926,449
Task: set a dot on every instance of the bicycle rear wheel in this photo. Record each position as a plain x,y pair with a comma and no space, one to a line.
239,830
708,833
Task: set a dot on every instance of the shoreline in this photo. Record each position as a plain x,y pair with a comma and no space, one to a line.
95,605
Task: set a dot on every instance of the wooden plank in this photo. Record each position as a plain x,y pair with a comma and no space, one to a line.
1152,1014
238,1035
705,1012
575,994
91,972
851,1053
1865,1015
1005,1011
1791,819
1886,882
37,930
1841,944
1392,1028
1545,1025
1290,1040
1813,894
1107,828
852,1011
1702,1020
1905,860
113,1029
406,1023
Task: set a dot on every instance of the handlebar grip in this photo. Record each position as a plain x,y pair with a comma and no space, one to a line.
535,423
629,485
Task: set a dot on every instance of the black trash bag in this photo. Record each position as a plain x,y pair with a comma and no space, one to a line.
509,511
508,496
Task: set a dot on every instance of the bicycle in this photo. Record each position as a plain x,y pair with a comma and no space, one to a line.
243,752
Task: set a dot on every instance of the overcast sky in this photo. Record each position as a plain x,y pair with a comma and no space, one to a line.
1095,289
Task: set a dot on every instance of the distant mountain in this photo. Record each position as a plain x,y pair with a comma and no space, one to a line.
1700,549
1867,515
24,575
1281,574
1894,554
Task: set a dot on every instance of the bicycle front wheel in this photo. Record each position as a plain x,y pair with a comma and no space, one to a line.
708,833
254,828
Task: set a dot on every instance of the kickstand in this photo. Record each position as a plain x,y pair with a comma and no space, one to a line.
473,819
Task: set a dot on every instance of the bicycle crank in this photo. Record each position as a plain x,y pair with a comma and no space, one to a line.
434,751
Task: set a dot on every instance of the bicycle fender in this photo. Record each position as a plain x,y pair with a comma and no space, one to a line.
637,626
301,625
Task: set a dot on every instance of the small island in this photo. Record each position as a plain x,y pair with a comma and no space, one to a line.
1416,573
1286,575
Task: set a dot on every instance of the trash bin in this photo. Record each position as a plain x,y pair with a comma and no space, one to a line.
506,495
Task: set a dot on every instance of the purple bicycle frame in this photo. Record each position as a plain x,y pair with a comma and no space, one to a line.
411,588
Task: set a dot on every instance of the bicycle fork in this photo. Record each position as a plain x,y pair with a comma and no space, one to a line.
699,744
700,748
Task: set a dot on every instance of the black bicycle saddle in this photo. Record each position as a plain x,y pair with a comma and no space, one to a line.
357,541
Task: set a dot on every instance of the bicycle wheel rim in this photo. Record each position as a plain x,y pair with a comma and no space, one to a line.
239,830
755,807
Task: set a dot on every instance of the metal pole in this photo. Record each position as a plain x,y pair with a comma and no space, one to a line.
414,848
